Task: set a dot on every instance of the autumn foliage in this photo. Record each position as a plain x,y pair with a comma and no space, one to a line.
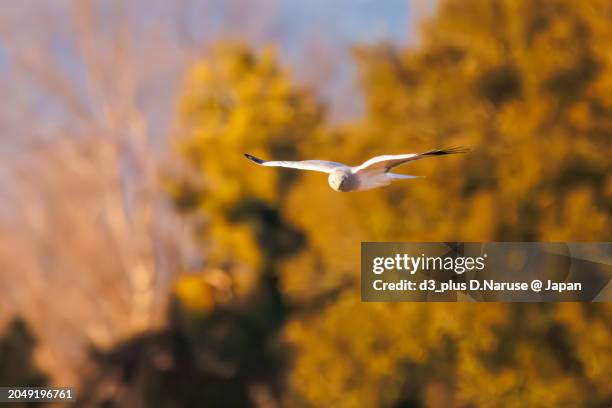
527,86
272,316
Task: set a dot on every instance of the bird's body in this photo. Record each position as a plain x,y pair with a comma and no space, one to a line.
342,179
371,174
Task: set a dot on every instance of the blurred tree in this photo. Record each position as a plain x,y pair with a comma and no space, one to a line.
17,368
223,346
527,86
87,232
242,103
223,357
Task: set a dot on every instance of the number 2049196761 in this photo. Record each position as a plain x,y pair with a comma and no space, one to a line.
35,394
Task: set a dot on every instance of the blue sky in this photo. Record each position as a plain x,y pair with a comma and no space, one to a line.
352,20
314,38
335,26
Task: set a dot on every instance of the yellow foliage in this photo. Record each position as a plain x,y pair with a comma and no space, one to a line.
527,85
234,103
194,293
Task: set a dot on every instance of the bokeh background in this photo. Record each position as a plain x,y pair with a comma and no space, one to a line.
146,263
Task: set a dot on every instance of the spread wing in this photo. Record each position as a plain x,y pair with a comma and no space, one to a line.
314,165
385,163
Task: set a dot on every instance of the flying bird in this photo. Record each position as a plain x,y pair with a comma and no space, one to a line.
371,174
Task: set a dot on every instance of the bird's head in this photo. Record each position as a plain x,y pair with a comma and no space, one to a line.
338,180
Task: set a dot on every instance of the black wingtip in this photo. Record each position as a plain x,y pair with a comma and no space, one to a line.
254,159
450,150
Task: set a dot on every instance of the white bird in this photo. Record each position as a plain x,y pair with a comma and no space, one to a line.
371,174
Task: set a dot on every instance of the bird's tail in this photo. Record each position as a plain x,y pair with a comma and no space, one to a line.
396,176
450,150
